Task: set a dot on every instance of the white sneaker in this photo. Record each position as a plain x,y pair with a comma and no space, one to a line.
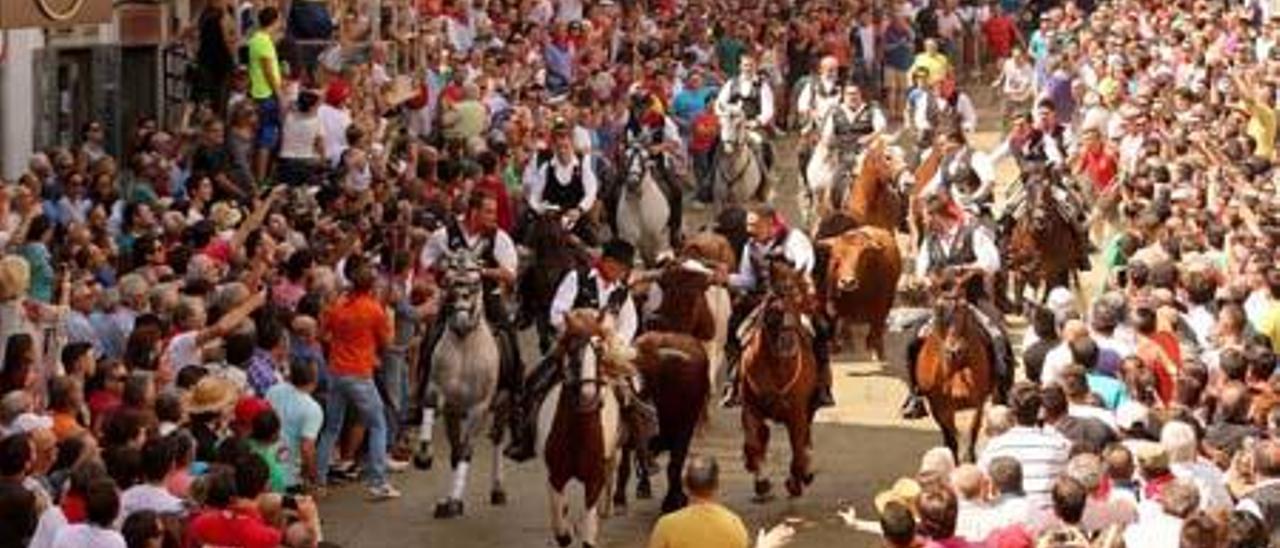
397,466
383,492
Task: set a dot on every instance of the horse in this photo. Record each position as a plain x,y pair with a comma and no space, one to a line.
1042,248
579,424
738,173
710,251
915,203
642,213
464,381
779,379
554,252
955,366
673,368
859,281
873,200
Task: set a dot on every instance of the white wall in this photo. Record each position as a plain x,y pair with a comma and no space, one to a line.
17,100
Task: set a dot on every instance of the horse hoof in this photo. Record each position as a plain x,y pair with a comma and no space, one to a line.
447,509
422,457
795,487
763,487
643,490
808,479
498,497
564,540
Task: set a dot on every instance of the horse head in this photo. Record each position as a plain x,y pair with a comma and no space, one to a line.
636,160
464,292
594,356
1040,201
733,131
783,312
952,318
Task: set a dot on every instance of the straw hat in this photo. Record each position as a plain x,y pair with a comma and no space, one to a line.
904,491
15,277
225,216
211,394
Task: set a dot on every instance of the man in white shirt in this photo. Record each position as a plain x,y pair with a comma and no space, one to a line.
335,119
957,244
1042,453
820,94
771,240
564,184
749,96
603,288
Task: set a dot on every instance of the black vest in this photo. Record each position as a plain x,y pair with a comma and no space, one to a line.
961,254
564,194
849,129
589,295
1035,147
750,100
493,306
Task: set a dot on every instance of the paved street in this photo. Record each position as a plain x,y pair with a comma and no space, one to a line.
860,447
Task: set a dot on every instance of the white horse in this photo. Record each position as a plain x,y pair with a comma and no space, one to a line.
738,173
579,429
643,212
464,381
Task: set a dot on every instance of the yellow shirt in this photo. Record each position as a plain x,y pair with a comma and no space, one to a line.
935,64
262,48
700,525
1262,128
1269,325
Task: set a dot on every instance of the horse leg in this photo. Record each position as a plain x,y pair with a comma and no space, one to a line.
559,505
457,427
422,457
975,426
755,442
624,477
875,339
676,498
497,493
590,526
798,432
945,416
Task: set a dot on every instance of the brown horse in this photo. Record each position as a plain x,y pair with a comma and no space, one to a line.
1042,248
779,378
554,252
915,204
579,424
860,279
954,370
691,303
874,201
674,368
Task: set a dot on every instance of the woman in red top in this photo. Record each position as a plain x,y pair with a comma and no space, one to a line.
1097,161
490,182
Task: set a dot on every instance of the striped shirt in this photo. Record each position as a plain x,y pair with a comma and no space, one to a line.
1042,453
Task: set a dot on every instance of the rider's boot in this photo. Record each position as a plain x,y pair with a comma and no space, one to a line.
822,355
914,407
524,424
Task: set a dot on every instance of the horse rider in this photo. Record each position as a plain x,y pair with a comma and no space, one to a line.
956,242
603,287
771,239
847,128
478,234
750,95
820,94
650,129
944,107
966,174
1043,155
565,183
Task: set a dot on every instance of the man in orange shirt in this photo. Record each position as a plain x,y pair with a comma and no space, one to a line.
356,327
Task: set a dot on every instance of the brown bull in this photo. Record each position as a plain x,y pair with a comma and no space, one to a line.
673,367
859,280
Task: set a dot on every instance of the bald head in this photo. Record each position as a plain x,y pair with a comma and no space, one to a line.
701,476
1074,330
968,481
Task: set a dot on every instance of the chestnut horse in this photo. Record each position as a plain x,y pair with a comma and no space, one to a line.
955,367
923,174
779,378
579,425
859,272
873,200
1042,248
673,368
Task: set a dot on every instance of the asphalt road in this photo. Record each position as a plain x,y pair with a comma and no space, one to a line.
860,448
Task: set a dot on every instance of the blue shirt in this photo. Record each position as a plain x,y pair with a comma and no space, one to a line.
314,354
300,419
899,48
1111,391
41,263
559,64
262,372
689,103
